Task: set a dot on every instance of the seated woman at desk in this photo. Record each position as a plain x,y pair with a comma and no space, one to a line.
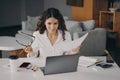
50,32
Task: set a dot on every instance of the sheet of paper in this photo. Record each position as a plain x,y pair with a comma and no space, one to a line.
86,61
38,74
67,46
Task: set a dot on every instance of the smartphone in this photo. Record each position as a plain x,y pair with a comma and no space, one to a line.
26,65
109,60
104,65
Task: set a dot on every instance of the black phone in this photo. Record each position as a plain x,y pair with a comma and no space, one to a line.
26,65
104,65
109,60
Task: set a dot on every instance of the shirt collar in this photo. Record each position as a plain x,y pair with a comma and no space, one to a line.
59,35
45,34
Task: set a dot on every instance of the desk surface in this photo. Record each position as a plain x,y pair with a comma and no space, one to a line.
9,43
91,73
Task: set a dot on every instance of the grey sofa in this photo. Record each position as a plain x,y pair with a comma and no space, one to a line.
94,44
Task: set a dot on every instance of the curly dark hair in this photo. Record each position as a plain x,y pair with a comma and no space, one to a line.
51,12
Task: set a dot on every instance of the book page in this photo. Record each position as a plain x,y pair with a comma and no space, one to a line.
67,46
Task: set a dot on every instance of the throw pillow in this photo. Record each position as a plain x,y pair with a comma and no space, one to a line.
88,25
65,18
32,23
73,26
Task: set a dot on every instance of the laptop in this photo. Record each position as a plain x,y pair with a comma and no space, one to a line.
60,64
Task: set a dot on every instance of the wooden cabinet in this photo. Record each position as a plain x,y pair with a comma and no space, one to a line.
90,10
110,21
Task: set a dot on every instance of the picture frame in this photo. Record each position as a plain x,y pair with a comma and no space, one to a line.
78,3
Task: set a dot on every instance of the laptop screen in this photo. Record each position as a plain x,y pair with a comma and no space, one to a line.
61,64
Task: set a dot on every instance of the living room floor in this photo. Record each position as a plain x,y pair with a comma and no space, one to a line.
114,51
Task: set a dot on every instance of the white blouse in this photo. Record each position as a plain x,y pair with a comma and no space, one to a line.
42,43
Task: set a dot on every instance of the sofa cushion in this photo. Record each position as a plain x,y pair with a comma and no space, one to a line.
32,23
73,26
88,25
65,17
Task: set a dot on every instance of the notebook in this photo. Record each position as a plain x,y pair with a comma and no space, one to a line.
60,64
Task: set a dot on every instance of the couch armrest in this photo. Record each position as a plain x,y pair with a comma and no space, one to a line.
95,42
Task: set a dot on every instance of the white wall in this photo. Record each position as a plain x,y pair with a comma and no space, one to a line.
9,12
12,12
32,8
59,4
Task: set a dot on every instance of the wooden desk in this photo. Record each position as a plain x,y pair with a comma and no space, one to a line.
91,73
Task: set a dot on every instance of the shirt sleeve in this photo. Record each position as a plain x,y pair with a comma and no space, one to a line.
34,45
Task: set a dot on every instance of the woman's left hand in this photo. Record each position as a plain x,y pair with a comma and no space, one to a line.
75,50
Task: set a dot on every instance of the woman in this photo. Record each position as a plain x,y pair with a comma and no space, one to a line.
50,33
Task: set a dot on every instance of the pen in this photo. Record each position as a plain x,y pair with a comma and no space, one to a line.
96,63
99,61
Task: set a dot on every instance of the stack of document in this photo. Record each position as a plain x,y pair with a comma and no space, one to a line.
87,61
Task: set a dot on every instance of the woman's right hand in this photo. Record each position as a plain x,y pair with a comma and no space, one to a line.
75,50
29,50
